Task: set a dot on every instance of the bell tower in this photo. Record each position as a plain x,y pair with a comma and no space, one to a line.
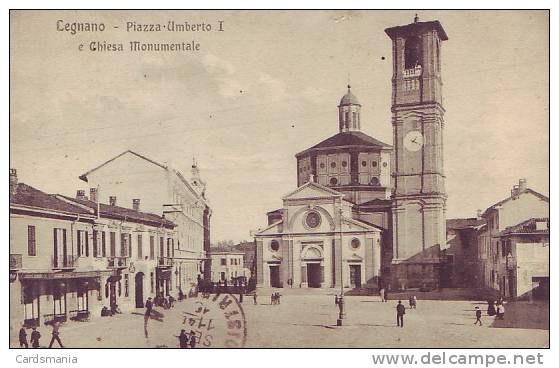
419,196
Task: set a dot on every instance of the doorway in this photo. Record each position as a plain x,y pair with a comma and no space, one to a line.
112,295
314,275
275,276
355,275
139,289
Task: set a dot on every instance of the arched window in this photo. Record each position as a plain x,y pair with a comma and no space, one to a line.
412,52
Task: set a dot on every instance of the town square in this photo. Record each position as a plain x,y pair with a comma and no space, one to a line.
379,180
305,320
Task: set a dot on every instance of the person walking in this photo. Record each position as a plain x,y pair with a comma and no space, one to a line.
23,337
400,311
56,334
192,339
501,311
254,296
414,302
478,317
240,297
147,315
381,293
149,306
35,336
183,339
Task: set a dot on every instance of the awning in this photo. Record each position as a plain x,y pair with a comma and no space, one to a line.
114,278
61,275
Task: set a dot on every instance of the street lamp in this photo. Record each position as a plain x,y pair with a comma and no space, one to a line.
341,302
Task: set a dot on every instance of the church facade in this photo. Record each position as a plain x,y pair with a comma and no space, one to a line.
366,213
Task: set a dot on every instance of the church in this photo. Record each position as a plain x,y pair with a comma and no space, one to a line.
366,213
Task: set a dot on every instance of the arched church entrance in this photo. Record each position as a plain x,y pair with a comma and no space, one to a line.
139,282
312,270
274,272
314,275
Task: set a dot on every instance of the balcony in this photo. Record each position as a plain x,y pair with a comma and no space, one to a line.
164,262
117,262
64,262
412,72
15,262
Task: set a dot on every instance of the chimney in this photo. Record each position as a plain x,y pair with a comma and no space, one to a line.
514,191
13,181
136,204
112,200
80,194
93,194
479,212
522,185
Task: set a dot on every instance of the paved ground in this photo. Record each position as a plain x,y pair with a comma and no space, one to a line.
310,321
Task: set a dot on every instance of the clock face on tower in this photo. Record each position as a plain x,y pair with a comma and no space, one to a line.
413,141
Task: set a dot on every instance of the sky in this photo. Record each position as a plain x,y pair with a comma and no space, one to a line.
266,88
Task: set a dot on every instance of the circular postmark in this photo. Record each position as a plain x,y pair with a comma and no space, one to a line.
216,320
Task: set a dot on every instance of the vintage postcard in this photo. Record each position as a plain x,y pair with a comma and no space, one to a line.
279,179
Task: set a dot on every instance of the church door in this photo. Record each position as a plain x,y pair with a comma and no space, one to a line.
355,275
275,277
314,275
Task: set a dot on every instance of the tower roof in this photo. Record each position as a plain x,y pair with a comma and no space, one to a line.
349,98
415,28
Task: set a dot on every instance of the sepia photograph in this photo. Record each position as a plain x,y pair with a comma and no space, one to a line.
278,179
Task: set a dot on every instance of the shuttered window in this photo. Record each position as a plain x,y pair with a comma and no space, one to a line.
140,250
31,242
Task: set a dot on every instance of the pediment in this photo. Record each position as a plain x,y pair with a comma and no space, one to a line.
312,190
354,258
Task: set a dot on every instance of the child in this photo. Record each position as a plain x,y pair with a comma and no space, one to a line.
478,317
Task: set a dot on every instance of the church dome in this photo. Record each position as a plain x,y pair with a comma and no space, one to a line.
349,98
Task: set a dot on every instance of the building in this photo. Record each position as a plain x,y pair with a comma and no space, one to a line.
228,266
419,195
70,257
391,194
131,177
462,260
509,222
525,248
317,243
